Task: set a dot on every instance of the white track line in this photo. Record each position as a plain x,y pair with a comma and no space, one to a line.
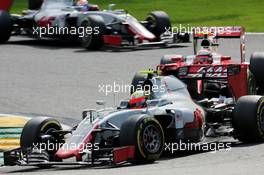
254,33
65,127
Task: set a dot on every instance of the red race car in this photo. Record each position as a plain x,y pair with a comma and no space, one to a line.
209,74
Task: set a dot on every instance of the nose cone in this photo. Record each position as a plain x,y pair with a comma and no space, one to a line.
64,154
141,31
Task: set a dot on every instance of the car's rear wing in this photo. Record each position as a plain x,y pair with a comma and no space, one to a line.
221,32
5,4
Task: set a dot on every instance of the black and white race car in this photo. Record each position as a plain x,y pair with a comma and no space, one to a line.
64,19
138,132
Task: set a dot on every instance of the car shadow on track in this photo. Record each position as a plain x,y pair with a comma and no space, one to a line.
55,44
99,167
116,49
50,44
87,167
165,157
240,144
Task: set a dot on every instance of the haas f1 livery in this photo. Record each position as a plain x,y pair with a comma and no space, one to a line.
161,113
94,28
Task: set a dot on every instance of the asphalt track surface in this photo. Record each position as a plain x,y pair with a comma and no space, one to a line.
61,79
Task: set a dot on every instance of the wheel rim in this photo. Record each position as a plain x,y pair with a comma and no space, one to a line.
151,139
86,39
49,131
262,118
152,21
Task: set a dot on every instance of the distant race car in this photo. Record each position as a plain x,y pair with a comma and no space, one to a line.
141,129
208,72
65,19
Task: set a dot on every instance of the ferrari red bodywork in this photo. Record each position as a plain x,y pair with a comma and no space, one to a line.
219,67
6,4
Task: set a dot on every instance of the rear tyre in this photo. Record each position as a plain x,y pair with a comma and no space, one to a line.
34,4
137,82
158,23
33,130
248,119
94,40
5,26
146,134
166,59
184,37
256,67
252,84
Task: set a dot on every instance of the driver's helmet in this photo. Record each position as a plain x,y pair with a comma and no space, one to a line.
138,100
204,56
81,2
206,44
204,52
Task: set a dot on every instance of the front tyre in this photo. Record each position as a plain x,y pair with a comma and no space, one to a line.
184,37
248,119
146,134
5,26
158,23
32,136
93,40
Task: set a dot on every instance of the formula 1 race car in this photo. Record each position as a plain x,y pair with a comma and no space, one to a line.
211,77
210,74
66,19
138,130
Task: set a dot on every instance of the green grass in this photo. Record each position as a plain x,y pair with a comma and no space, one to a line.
248,13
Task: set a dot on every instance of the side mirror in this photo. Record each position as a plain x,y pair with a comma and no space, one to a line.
88,113
100,103
123,104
